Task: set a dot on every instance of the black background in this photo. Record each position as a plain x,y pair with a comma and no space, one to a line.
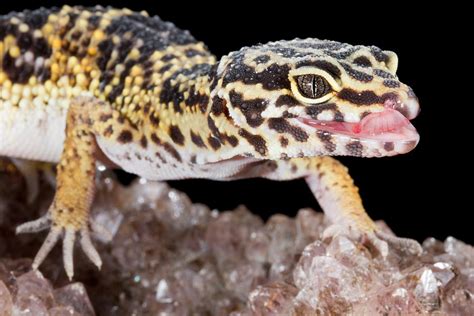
427,192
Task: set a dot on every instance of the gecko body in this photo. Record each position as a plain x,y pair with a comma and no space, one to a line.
79,85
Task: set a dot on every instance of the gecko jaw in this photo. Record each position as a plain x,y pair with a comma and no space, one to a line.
386,126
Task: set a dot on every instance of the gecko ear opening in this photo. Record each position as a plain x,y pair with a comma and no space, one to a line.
392,61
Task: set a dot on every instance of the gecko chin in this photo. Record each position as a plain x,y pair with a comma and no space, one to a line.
388,129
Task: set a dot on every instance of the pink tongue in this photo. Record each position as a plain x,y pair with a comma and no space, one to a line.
381,122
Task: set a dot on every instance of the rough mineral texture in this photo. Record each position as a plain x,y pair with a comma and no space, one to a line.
171,257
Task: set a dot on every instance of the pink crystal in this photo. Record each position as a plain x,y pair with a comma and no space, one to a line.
172,257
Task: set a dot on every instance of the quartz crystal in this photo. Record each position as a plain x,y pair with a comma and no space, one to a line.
164,255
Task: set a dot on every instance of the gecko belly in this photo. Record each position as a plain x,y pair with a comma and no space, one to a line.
32,133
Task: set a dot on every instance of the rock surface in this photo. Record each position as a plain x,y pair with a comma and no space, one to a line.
171,257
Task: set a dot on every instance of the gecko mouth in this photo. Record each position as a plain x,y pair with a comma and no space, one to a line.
388,126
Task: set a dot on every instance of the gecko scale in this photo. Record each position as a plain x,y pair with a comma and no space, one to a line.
81,85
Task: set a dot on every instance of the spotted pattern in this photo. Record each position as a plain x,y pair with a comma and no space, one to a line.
173,94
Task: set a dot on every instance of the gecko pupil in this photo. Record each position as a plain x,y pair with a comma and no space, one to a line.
313,86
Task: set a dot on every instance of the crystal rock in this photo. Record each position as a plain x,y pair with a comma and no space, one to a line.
169,256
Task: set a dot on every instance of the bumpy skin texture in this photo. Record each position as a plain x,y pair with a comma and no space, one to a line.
138,93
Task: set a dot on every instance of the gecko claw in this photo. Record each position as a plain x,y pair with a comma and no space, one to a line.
69,238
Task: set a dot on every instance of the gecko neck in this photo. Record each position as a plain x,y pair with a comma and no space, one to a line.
185,111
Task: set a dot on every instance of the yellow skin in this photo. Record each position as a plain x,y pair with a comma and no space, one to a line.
142,95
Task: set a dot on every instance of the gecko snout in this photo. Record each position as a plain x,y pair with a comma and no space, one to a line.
406,103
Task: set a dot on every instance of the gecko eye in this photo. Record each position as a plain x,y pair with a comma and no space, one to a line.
313,86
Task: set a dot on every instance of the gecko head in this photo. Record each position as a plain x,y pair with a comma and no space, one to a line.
316,97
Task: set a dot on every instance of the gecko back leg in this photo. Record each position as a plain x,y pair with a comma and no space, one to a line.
68,214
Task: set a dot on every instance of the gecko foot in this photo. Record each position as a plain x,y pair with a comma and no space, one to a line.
69,236
375,239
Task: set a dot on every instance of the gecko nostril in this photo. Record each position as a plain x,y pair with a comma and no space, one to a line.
409,107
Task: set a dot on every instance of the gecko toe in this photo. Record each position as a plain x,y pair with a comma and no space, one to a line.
48,244
40,224
69,238
405,245
68,251
89,248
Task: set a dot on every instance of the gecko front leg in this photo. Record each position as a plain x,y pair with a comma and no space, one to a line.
339,198
68,214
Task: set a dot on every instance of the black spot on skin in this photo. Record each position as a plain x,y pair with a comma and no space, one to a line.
213,79
143,142
76,35
125,137
287,100
356,74
176,135
37,18
163,160
7,28
383,74
155,139
214,130
191,52
283,141
252,109
19,74
214,142
391,84
340,54
41,48
24,41
355,148
172,151
232,140
366,97
323,65
262,59
274,77
105,49
326,139
105,117
271,165
219,106
108,131
362,61
293,168
197,99
192,159
338,116
379,55
287,114
154,119
93,22
171,93
388,146
281,125
197,140
314,110
256,141
168,57
165,68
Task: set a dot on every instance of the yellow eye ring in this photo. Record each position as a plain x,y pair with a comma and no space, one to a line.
312,85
